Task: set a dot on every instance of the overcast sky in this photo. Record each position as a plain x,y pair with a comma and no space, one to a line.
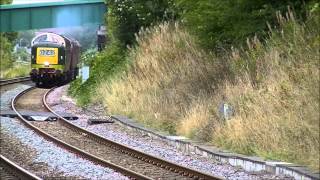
33,1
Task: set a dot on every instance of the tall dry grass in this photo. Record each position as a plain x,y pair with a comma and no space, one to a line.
167,75
273,87
277,97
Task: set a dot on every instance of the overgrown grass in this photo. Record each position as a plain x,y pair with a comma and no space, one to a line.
273,87
277,97
17,70
168,74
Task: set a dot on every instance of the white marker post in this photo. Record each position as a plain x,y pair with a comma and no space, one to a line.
85,73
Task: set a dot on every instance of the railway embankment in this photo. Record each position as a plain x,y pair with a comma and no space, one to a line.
272,88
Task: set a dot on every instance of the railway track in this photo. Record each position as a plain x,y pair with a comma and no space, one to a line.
11,171
130,162
4,82
8,169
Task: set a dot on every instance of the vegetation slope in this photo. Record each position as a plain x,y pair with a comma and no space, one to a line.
175,78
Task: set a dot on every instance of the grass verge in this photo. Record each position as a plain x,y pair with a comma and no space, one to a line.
17,70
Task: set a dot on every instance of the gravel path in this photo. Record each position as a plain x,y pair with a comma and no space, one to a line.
116,132
41,157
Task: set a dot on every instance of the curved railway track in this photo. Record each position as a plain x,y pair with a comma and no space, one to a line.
130,162
8,169
11,171
4,82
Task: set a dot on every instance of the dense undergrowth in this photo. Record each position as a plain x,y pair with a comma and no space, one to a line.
167,80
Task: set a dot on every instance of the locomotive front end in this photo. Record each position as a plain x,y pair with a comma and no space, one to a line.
47,59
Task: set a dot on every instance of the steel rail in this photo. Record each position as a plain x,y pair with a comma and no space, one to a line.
73,149
16,170
4,82
188,172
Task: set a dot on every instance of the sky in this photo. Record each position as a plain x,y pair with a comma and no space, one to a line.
33,1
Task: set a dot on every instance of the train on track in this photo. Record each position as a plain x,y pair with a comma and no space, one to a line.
54,59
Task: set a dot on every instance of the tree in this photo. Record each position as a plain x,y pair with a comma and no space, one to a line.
125,18
26,37
5,52
221,23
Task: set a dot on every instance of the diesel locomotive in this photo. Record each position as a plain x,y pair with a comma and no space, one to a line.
54,59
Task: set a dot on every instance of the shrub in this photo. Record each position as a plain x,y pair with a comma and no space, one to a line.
5,53
104,65
126,18
222,23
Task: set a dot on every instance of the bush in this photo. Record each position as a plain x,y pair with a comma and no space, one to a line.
88,57
104,65
222,23
126,18
22,55
5,53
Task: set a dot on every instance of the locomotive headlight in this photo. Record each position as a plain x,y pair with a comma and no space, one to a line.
46,63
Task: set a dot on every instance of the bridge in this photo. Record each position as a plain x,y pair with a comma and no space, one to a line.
67,13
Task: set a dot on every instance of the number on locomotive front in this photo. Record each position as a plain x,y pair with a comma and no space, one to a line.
47,52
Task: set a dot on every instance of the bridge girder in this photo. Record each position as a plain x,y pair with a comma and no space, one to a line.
17,17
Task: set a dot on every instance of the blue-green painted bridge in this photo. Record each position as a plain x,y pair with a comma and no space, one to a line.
67,13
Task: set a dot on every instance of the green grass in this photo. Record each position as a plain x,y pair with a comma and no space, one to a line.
18,70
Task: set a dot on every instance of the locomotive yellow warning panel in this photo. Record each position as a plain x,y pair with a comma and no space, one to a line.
47,56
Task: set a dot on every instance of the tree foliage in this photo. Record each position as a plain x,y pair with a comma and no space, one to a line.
5,1
6,40
5,52
218,23
127,17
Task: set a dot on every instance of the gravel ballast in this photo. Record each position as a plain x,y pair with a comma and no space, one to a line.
55,159
60,102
